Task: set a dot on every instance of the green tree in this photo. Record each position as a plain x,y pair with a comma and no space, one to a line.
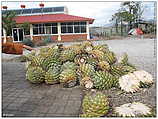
8,22
129,12
133,11
25,26
115,19
119,17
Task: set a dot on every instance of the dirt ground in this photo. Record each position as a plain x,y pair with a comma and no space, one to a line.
142,53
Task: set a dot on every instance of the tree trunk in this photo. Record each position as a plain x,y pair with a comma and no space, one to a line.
121,28
130,23
116,25
5,36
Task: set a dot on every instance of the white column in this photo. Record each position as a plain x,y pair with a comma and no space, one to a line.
59,32
5,36
87,30
31,31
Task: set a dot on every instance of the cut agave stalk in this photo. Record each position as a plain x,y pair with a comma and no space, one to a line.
135,109
129,83
88,84
144,76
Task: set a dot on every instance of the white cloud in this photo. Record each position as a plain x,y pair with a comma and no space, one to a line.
149,10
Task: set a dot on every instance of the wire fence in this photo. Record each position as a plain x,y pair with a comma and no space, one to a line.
122,31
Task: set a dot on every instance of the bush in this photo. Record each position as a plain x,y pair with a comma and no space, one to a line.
28,41
22,58
43,41
40,43
47,40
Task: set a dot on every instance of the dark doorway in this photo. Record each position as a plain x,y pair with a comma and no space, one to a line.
18,34
21,34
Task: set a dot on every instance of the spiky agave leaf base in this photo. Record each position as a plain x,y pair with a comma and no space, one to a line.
35,75
69,84
68,78
95,104
86,70
104,80
52,75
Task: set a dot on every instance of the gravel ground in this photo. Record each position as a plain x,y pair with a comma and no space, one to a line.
142,53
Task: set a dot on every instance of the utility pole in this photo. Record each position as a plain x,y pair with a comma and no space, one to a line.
155,28
155,18
121,28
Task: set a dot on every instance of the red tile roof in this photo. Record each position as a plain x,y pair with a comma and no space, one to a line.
45,18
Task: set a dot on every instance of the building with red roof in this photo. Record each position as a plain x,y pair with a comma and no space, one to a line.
54,22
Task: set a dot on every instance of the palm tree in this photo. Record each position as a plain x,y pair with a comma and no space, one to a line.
8,23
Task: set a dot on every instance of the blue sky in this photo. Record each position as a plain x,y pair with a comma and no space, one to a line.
100,11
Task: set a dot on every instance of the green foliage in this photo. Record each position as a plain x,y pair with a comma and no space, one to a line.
40,43
8,22
35,75
47,40
28,41
43,41
95,104
25,26
130,12
22,58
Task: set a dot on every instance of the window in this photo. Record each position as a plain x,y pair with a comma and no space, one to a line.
54,28
80,27
58,9
63,28
41,29
67,27
26,11
35,29
70,27
47,10
83,29
26,32
37,10
76,27
83,23
48,28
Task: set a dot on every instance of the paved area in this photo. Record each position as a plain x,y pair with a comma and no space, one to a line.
23,99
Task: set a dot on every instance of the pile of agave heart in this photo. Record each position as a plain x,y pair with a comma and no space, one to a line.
92,67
